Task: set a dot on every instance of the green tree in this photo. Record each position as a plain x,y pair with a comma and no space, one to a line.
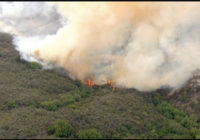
34,65
51,105
89,134
63,129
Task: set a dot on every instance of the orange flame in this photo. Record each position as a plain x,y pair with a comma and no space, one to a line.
109,83
89,82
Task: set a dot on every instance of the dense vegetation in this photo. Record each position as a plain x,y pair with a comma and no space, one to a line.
37,103
180,123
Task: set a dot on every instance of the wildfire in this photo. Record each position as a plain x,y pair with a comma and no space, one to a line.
89,82
109,83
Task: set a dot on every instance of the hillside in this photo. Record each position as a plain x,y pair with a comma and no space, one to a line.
187,98
33,100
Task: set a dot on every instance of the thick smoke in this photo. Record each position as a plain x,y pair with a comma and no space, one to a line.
25,20
29,18
135,44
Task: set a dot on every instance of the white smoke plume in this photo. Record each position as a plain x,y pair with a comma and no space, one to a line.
135,44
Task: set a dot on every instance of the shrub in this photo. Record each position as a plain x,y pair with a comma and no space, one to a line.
32,105
169,111
197,136
63,129
11,104
157,98
185,98
51,105
189,90
67,99
34,65
195,133
77,98
167,128
51,130
71,106
78,83
198,88
57,102
89,134
188,122
86,92
70,97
